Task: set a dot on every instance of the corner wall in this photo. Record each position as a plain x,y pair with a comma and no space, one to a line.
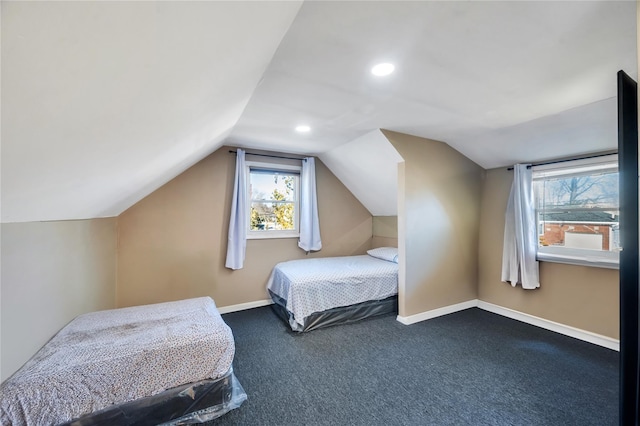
438,221
578,296
385,231
172,244
51,273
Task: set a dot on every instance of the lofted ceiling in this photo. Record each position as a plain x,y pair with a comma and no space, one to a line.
103,102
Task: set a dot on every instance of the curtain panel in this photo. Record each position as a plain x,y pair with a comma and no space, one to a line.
519,264
237,242
309,222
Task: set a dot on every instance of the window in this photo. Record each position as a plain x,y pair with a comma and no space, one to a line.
577,211
273,197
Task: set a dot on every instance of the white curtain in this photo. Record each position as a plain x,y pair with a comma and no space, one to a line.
519,263
237,243
309,223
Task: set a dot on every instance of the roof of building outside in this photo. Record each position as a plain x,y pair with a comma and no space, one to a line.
581,216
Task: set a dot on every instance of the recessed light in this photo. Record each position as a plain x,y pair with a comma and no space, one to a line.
303,128
382,69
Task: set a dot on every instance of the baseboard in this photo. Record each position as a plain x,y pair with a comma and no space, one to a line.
577,333
244,306
423,316
587,336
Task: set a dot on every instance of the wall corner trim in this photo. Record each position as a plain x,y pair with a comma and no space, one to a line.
576,333
244,306
434,313
587,336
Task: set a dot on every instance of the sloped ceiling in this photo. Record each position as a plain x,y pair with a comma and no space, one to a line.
464,71
103,102
368,166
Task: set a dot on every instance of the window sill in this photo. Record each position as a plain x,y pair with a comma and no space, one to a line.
596,262
266,235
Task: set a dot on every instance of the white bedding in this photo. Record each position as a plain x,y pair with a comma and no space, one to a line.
315,285
115,356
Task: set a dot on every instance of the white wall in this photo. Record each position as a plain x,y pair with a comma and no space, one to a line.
52,272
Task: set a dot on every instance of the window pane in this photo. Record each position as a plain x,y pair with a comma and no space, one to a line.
577,192
272,186
578,211
584,229
266,216
274,201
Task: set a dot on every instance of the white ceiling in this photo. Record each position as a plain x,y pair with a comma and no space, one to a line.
104,102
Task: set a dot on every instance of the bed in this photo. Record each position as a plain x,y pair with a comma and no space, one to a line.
167,363
313,293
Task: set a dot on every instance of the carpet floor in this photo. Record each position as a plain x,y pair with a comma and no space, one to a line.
467,368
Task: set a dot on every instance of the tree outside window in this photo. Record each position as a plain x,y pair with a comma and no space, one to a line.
578,210
273,200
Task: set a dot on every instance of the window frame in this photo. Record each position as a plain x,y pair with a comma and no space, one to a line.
275,168
569,255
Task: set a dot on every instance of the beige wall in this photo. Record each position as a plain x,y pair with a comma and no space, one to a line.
583,297
385,231
172,244
438,219
52,272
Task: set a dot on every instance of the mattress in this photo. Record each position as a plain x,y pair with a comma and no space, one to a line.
112,357
314,285
335,316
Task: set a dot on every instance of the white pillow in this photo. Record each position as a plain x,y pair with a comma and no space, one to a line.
385,253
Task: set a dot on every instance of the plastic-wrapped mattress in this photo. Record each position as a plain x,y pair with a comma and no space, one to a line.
313,293
107,359
188,404
335,316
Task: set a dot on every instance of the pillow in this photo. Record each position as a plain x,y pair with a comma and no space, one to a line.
385,253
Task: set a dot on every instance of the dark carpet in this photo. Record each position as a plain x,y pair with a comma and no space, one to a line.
467,368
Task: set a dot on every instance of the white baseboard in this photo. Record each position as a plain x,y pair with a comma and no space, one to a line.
244,306
587,336
412,319
577,333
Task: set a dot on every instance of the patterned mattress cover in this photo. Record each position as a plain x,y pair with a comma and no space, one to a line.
111,357
315,285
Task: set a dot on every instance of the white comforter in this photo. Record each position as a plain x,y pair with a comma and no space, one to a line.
315,285
115,356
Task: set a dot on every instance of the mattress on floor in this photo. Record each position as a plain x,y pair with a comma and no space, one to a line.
314,285
335,316
111,357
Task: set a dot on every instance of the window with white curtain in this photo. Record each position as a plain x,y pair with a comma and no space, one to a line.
577,209
273,194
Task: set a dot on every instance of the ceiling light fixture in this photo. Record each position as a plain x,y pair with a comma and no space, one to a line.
303,128
382,69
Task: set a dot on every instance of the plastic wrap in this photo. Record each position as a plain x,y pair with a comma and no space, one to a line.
189,404
341,315
324,283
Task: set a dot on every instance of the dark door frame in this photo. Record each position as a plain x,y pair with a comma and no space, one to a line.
628,167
